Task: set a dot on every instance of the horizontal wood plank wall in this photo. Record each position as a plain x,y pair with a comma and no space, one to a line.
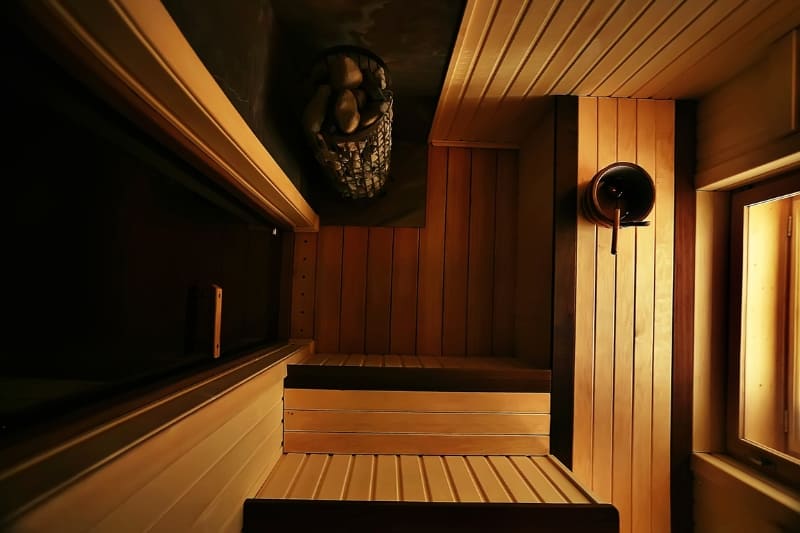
431,478
623,359
445,289
193,476
355,421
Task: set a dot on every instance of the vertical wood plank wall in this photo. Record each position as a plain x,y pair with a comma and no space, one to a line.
623,353
445,289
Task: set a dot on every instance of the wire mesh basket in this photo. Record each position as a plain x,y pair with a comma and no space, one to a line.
354,152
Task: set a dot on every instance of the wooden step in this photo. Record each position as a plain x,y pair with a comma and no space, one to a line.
417,379
425,493
416,422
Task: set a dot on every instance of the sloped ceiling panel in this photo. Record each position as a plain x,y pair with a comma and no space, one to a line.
510,55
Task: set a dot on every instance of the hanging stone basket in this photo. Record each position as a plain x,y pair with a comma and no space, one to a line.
348,120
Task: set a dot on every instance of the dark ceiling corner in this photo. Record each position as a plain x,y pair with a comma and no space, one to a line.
261,52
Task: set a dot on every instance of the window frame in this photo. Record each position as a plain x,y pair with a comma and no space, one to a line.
765,460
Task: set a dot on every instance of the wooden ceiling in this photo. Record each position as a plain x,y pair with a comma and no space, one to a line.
511,54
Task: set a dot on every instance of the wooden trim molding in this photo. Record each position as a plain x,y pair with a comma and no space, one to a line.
135,46
683,318
564,282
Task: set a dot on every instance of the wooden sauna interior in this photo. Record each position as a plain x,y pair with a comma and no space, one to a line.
496,368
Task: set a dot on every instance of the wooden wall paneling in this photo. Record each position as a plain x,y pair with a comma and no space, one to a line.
136,512
329,288
287,285
710,321
585,298
381,443
417,401
480,271
304,272
456,257
484,423
533,313
643,323
623,338
431,256
405,265
505,253
193,474
188,508
354,287
662,321
563,333
605,317
683,319
379,290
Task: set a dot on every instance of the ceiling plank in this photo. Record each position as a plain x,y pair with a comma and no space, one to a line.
508,15
623,18
474,25
740,49
534,21
649,49
584,32
655,15
716,16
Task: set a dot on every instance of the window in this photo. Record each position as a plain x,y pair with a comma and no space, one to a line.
764,386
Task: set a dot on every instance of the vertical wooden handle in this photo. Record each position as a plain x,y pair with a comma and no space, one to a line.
615,231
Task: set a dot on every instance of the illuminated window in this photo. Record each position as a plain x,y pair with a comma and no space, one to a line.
764,418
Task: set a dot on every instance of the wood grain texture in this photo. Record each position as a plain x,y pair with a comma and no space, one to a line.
427,478
623,365
447,402
431,256
303,285
405,264
379,290
456,255
327,313
407,291
505,252
408,422
564,281
533,311
354,285
511,55
480,270
372,443
193,475
683,319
